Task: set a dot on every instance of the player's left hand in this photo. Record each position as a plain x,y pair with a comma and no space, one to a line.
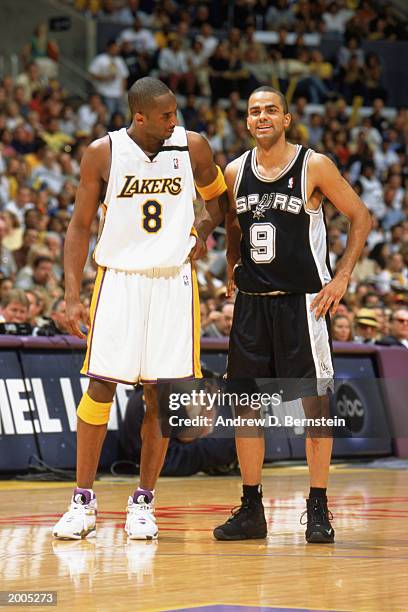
199,250
329,297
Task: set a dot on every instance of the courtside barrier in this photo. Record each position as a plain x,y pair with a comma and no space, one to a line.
40,386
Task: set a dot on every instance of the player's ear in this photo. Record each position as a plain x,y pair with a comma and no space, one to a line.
287,120
139,118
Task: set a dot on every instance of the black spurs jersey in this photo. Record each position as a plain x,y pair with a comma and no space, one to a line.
284,244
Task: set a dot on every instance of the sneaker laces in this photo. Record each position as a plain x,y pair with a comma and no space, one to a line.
73,510
320,508
136,508
245,507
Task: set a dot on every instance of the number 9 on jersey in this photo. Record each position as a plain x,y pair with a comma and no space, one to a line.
262,238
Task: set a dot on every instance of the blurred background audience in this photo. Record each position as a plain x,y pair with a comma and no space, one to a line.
339,106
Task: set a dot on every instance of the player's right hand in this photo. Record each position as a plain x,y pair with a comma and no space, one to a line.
231,286
75,314
199,250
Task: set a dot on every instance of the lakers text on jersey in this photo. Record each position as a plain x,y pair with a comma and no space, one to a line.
145,318
148,206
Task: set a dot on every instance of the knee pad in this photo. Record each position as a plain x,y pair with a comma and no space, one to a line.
94,413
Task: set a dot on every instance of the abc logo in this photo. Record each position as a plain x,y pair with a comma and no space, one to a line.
350,407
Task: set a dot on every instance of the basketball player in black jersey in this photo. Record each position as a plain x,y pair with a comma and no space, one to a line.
278,247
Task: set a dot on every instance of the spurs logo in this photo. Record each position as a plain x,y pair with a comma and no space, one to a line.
263,204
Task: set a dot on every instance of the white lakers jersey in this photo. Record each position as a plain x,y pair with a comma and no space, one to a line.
148,212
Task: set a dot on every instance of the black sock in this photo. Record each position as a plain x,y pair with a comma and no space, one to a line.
317,492
252,492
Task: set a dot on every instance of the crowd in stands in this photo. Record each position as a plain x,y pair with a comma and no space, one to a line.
338,104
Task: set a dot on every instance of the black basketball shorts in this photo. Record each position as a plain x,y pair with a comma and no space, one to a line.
278,337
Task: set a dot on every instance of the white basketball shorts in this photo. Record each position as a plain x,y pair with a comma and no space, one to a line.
145,326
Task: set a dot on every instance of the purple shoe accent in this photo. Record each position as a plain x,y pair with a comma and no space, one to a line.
142,496
82,496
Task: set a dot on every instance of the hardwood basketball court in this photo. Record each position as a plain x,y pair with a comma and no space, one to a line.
365,570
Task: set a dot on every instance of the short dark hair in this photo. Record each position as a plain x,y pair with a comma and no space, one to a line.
142,92
41,259
274,91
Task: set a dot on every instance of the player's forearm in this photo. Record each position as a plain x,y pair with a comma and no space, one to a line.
359,229
75,256
233,238
214,215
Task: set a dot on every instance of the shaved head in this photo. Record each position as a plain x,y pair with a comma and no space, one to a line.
142,93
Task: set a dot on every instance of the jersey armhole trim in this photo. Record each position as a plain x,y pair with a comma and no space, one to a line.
309,211
240,172
107,196
194,191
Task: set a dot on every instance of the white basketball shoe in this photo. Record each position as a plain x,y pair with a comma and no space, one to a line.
79,521
140,519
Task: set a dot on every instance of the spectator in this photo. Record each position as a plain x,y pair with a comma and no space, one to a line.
364,268
335,19
315,130
109,72
373,83
128,14
279,15
39,274
54,137
175,68
341,328
7,264
141,39
14,307
43,51
352,79
372,194
30,237
226,72
378,120
207,39
398,329
371,300
34,309
90,113
366,326
221,322
6,285
395,274
31,81
47,174
198,63
137,63
352,47
14,233
56,324
260,71
384,157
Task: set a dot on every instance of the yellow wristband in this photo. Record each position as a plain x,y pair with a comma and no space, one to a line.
214,189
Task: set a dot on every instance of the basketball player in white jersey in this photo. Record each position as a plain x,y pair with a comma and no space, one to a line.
276,233
145,309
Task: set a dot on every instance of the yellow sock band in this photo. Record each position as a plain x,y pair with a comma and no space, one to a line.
94,413
214,189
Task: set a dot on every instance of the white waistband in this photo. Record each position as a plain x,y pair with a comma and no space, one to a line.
169,272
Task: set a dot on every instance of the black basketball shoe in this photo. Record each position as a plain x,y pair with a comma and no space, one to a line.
319,530
246,523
